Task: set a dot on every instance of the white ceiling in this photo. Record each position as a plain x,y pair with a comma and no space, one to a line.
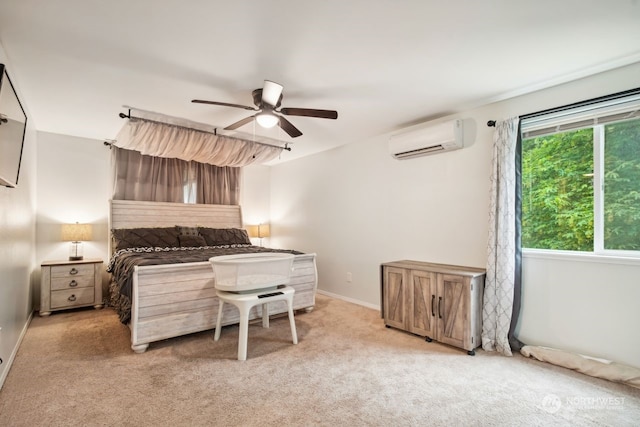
383,64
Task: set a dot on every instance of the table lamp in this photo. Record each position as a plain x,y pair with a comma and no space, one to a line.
76,234
260,230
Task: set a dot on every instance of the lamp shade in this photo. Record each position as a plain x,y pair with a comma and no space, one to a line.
76,232
264,230
260,230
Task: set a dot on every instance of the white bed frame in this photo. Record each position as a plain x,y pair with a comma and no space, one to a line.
177,299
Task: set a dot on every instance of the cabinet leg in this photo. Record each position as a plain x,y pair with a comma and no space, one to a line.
428,339
44,313
471,352
140,348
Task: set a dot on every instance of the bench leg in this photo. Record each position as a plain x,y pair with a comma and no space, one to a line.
292,322
216,336
265,315
244,332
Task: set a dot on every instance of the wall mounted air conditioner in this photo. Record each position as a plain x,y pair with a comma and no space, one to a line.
427,139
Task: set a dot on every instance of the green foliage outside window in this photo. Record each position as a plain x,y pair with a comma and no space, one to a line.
622,186
558,191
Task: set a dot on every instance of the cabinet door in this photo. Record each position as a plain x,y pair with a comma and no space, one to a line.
453,311
395,297
422,295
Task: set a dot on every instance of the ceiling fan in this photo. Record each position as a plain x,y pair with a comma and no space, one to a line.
267,101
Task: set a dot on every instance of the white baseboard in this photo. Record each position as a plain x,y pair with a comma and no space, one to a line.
8,363
351,300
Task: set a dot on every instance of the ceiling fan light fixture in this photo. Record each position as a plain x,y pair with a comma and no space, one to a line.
267,102
267,120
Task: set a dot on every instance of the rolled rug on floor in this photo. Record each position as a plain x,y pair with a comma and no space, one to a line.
599,368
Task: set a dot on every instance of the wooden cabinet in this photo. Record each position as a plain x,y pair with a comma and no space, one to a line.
70,284
437,301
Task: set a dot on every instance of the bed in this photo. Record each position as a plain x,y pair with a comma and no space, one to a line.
176,296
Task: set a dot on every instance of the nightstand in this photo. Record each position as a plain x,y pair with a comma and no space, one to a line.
70,284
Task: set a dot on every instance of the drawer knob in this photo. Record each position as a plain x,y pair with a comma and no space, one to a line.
73,284
73,271
72,298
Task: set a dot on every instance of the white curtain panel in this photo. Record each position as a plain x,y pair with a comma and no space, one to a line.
157,139
499,284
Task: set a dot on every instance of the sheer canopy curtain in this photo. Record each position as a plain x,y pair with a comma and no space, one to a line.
149,178
153,138
213,184
501,303
169,159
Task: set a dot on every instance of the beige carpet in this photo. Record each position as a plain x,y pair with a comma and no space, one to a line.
75,368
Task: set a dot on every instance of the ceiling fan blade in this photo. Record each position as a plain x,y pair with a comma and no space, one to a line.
310,112
271,92
289,128
224,104
239,123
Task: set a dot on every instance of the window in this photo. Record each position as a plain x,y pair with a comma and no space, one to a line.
581,178
190,191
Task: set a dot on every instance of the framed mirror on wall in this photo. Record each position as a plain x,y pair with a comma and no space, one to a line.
13,125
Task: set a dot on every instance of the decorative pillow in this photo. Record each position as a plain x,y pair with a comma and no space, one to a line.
189,241
224,236
187,231
145,237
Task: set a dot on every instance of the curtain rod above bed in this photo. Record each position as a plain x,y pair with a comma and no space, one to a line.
158,135
215,130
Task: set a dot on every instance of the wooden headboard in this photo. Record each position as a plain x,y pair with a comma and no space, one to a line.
134,214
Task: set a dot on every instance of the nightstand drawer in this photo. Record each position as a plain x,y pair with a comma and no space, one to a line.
72,283
71,270
71,297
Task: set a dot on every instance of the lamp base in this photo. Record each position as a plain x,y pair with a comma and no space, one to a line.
75,251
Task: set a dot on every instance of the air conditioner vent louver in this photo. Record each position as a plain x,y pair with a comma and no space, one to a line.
427,139
418,152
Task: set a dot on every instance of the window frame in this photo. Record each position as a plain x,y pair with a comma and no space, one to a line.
590,108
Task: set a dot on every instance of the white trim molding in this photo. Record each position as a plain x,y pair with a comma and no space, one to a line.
5,371
589,257
351,300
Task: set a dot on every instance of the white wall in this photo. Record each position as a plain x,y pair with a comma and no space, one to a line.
73,186
356,207
582,305
255,197
17,243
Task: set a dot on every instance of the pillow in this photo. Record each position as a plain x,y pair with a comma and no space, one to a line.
187,231
224,236
145,237
189,241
